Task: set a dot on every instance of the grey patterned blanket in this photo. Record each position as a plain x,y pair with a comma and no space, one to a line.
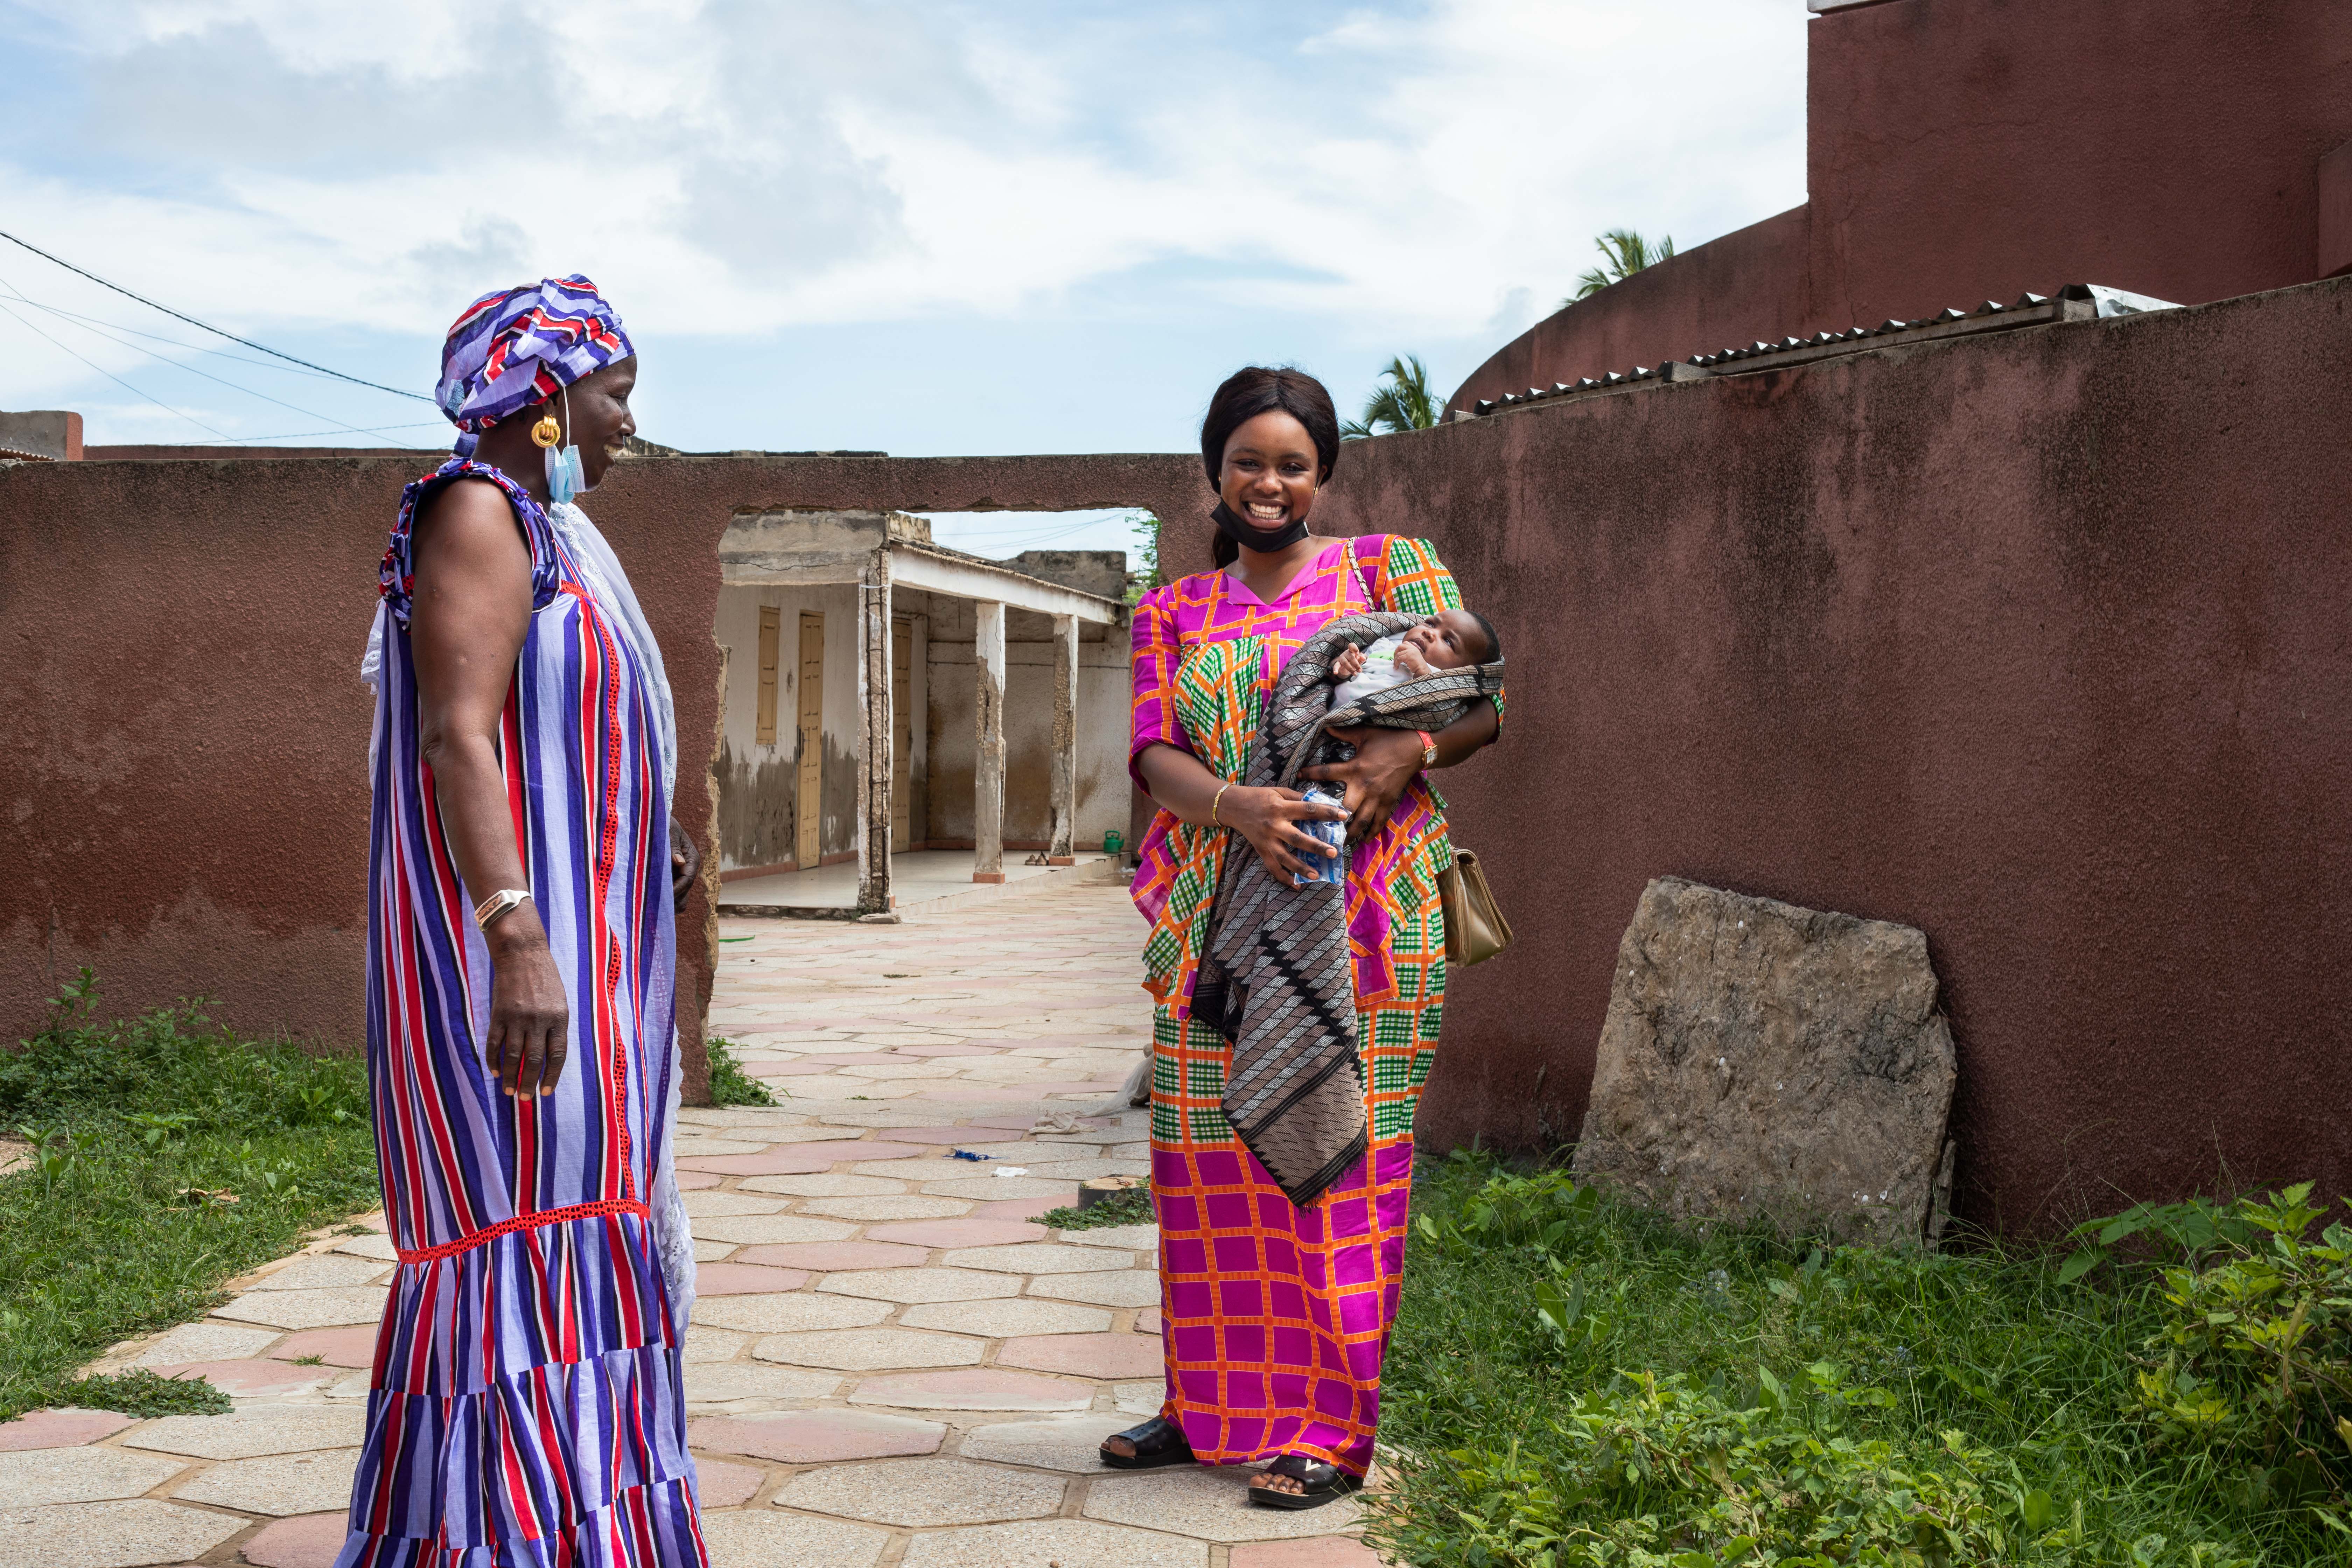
1275,978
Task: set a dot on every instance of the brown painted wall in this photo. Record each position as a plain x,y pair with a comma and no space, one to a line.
182,768
2036,641
1965,150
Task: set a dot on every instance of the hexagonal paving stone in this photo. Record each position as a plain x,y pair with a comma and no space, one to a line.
772,1228
1052,1543
920,1284
716,1206
308,1308
1315,1551
1082,1355
1141,1238
333,1347
717,1484
960,1232
282,1484
321,1270
790,1541
704,1343
110,1535
714,1146
1067,1443
1083,1170
993,1188
251,1433
827,1186
921,1492
258,1379
828,1254
306,1540
30,1477
207,1341
817,1436
1040,1257
974,1390
998,1320
1210,1503
768,1162
1140,1398
745,1279
733,1380
872,1350
63,1429
712,1251
902,1205
374,1244
785,1314
1113,1288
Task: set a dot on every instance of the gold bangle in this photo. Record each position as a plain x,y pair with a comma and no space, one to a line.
1215,800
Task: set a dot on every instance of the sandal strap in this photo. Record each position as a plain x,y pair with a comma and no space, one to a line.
1306,1471
1156,1436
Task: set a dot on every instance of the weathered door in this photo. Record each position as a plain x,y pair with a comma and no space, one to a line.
902,734
809,803
771,669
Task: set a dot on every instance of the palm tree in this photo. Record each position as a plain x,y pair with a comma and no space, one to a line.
1404,404
1625,252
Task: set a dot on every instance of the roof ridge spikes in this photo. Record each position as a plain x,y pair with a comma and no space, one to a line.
1892,325
1949,314
2027,301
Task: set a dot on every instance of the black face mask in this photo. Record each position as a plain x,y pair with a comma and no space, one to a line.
1252,538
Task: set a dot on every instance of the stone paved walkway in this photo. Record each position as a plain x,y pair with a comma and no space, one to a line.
891,1362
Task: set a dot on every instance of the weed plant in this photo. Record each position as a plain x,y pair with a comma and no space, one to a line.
729,1084
1129,1205
168,1155
1574,1382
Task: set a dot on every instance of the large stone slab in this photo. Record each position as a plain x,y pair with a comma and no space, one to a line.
1052,1543
281,1484
29,1476
1210,1503
251,1433
790,1541
923,1492
1763,1059
110,1535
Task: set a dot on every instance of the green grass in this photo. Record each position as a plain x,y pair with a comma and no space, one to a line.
1574,1382
729,1084
1129,1205
120,1226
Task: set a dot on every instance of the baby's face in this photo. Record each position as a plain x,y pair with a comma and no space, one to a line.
1450,639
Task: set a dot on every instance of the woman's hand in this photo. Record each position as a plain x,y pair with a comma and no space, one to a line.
1269,819
684,864
530,1018
1385,761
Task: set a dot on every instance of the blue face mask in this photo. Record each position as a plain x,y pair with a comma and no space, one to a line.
565,478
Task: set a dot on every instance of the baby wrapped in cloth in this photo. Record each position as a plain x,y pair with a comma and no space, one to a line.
1275,975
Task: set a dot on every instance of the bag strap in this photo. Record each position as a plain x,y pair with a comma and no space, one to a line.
1357,560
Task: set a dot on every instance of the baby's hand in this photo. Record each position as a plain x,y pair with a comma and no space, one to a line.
1348,665
1409,659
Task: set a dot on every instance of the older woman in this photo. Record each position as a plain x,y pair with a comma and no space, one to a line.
527,1405
1276,1313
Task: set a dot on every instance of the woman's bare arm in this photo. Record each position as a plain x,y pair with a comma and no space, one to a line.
470,609
1267,817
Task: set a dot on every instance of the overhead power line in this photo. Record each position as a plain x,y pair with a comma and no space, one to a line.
207,326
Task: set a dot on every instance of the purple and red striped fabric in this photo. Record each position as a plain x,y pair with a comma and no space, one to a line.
527,1407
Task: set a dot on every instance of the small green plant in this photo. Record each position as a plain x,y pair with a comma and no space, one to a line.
729,1084
1129,1205
1143,573
139,1392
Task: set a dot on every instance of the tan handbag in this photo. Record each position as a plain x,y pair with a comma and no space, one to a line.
1476,929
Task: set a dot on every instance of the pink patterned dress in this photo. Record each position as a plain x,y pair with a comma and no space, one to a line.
1275,1317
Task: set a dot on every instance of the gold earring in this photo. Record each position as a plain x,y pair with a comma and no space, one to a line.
547,432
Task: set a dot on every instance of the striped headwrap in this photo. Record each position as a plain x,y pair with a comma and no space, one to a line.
521,345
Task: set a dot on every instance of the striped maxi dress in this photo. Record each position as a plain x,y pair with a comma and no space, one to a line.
527,1405
1275,1318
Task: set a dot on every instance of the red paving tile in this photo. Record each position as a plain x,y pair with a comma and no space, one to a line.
723,1484
1147,1322
785,1070
1013,1208
960,1232
1023,1123
817,1437
262,1379
687,1180
734,1278
978,1388
336,1347
934,1135
951,1050
1084,1355
850,1059
830,1255
1317,1552
59,1428
306,1540
769,1163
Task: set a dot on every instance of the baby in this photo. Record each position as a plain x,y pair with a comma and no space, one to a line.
1450,639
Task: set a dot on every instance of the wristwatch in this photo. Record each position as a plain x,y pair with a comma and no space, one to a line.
1428,749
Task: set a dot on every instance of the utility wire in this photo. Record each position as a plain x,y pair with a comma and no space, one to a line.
216,331
78,317
114,378
313,413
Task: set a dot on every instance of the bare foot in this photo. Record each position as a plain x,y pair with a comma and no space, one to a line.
1266,1481
1120,1448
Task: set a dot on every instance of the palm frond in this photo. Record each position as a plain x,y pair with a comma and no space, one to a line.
1623,252
1405,402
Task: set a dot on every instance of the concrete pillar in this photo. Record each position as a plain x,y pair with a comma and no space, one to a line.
875,761
1065,742
988,758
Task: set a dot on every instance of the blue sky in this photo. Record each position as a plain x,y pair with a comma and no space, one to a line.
917,227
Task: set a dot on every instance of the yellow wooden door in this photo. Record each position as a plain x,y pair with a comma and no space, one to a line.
811,779
902,734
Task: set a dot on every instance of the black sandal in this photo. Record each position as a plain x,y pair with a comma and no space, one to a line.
1323,1483
1158,1442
